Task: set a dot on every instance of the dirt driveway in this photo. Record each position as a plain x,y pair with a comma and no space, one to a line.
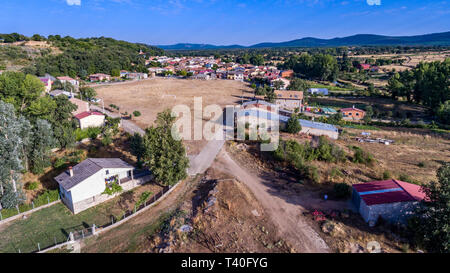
286,212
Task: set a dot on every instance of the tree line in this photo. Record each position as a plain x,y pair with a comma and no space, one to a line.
82,57
30,126
427,84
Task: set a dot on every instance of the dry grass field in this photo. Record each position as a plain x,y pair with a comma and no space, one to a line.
412,60
154,95
416,153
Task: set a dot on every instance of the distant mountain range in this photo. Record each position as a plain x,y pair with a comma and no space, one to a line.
355,40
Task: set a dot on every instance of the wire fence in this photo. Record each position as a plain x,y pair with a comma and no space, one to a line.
42,200
40,242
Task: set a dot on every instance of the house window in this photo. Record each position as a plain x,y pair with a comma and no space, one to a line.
357,114
107,172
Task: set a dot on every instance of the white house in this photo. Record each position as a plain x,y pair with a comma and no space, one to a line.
90,119
289,99
82,186
285,82
65,79
320,91
137,76
47,83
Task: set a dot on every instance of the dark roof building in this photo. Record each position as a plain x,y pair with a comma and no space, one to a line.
86,169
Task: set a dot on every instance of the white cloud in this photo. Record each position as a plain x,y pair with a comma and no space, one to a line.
73,2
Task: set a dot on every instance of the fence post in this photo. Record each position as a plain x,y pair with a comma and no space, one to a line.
1,216
19,251
93,229
82,233
71,237
55,239
134,208
48,200
18,210
39,247
32,203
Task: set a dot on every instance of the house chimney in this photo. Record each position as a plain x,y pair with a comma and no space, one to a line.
71,171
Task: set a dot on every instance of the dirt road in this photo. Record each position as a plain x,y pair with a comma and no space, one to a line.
287,215
127,125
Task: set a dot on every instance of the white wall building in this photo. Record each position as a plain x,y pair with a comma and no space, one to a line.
90,119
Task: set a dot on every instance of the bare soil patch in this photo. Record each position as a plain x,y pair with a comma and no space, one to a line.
154,95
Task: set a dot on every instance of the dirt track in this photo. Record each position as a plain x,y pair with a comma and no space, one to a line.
291,224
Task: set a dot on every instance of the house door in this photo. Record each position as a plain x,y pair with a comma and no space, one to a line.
129,174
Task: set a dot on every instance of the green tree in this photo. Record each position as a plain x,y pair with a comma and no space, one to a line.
115,72
162,153
431,226
298,85
293,125
67,86
19,89
444,112
42,142
270,96
369,113
87,93
63,126
14,144
136,144
278,85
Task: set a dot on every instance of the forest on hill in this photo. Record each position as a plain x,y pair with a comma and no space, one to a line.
81,57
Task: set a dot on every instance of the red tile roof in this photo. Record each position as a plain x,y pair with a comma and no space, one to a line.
389,191
351,109
87,114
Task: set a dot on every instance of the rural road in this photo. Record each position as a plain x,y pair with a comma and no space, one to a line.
286,215
127,125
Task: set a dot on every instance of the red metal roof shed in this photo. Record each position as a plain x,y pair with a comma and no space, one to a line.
388,191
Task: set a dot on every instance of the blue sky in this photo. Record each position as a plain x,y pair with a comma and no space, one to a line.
222,22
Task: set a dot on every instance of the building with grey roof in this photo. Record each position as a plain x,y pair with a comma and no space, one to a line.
82,186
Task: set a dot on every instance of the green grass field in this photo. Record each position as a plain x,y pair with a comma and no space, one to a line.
56,222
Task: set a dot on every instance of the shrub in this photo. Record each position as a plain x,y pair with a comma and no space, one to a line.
44,198
93,132
144,197
31,186
312,173
407,178
362,157
293,125
342,190
113,188
136,113
335,172
59,163
386,175
421,164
